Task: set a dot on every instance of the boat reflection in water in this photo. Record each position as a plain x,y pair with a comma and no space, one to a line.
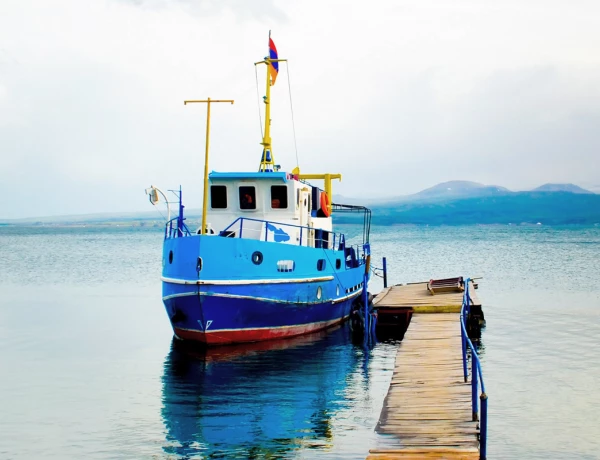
256,400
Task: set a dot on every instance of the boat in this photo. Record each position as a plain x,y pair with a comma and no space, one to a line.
266,262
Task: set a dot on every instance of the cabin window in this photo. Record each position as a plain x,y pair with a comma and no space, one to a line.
247,197
218,196
279,199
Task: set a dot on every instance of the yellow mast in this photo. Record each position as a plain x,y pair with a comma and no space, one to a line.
267,161
205,197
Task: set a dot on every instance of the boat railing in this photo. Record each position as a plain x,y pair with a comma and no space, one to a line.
245,227
352,209
479,410
176,228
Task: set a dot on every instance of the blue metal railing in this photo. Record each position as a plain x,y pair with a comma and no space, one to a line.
356,254
476,374
178,230
236,230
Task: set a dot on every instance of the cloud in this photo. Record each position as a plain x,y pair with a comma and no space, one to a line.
261,10
396,96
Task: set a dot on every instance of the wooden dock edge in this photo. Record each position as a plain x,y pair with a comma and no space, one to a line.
424,454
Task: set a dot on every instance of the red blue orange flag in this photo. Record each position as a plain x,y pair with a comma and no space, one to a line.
274,66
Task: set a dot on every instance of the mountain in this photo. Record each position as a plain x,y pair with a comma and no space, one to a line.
556,208
571,188
456,189
454,202
459,188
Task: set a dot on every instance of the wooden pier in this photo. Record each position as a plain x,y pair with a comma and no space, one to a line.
417,298
428,409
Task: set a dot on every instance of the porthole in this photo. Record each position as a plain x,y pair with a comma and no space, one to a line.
321,264
337,290
319,292
338,264
257,257
170,257
199,265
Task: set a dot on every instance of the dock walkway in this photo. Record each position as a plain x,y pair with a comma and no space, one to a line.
418,299
428,409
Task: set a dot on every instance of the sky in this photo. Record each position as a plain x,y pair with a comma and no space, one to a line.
395,95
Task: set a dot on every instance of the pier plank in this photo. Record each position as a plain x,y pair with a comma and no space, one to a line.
428,405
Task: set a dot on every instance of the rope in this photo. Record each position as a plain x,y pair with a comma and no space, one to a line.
161,214
334,272
258,100
373,270
292,110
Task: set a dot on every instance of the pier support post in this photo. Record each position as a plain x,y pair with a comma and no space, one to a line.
385,272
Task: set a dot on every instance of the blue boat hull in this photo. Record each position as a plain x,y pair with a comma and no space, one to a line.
220,320
227,298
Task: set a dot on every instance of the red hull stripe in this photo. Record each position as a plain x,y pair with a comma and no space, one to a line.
222,337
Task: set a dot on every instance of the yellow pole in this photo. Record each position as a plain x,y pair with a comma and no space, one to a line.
267,136
266,142
327,178
205,194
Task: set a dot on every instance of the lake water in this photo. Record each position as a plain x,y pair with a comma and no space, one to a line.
88,368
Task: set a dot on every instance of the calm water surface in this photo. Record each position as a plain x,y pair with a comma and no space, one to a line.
88,367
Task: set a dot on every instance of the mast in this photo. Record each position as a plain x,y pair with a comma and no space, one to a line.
267,161
208,101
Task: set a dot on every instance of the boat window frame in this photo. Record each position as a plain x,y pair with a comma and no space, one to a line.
239,196
287,190
226,196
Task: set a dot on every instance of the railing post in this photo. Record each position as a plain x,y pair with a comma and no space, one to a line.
464,347
483,428
241,226
266,230
384,272
474,376
300,236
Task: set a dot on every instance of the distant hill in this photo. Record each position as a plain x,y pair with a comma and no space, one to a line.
571,188
456,189
459,188
553,208
453,202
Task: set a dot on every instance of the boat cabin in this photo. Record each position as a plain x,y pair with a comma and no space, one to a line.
268,206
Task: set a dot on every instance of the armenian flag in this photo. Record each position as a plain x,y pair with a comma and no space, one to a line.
274,66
